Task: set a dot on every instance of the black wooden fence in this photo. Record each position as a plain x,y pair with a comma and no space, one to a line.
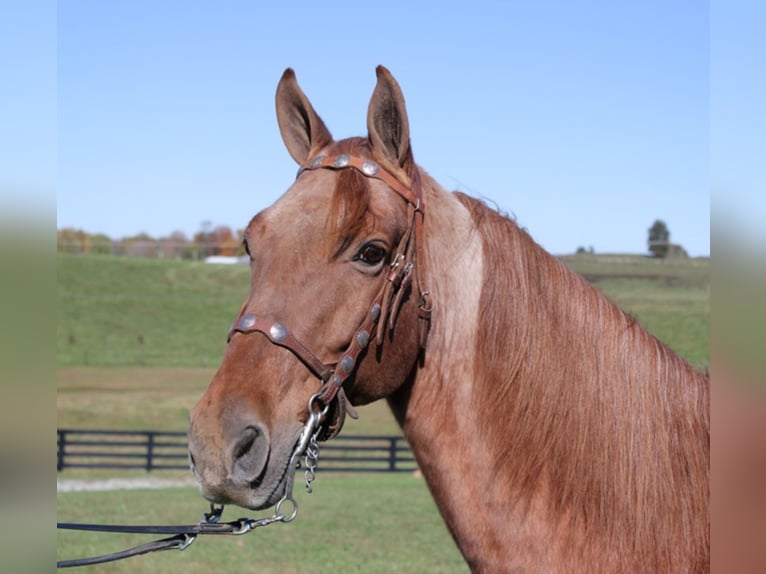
163,450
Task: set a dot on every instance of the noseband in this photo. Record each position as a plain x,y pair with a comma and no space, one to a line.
383,310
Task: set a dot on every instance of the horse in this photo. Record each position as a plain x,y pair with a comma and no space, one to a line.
554,433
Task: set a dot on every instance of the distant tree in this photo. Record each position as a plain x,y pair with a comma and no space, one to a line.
70,240
204,240
175,246
659,239
141,245
225,242
100,243
218,240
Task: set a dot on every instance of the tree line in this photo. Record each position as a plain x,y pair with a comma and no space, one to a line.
209,240
221,240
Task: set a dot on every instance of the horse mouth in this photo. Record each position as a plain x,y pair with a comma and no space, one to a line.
276,477
260,492
281,484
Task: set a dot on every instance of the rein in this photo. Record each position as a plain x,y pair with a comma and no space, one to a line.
184,535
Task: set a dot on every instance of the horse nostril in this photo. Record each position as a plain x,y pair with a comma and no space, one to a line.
245,443
250,454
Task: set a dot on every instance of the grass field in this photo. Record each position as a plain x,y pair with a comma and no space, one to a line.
139,340
372,524
116,311
670,298
182,310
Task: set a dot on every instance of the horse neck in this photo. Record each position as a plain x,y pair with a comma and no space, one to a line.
435,410
513,416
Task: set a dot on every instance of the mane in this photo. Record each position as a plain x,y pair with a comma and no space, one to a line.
587,405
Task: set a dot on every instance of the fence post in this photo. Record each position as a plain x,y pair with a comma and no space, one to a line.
149,451
60,451
392,453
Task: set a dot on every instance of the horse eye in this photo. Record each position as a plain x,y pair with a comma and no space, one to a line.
371,254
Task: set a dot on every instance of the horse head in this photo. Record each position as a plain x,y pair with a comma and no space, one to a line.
335,305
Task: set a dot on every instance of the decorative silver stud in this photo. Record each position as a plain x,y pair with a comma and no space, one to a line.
362,339
347,364
341,161
278,332
337,380
375,312
247,321
317,161
369,168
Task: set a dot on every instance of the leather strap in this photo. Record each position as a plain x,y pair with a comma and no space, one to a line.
367,168
383,311
278,334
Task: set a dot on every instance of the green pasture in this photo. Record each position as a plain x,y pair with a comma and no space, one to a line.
375,523
138,341
119,311
159,398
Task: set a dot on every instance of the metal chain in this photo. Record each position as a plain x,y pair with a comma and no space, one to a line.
310,460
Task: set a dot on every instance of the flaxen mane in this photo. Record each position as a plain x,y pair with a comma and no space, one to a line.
613,422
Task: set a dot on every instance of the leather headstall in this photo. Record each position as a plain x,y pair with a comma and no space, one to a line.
381,313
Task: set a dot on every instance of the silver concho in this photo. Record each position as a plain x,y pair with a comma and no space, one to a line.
341,161
278,332
317,161
375,312
369,168
347,364
362,339
246,321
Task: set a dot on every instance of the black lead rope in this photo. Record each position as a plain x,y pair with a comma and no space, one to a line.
180,541
182,537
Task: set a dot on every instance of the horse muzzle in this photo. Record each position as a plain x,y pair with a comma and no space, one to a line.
246,466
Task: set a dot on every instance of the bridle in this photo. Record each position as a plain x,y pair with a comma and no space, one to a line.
327,408
384,308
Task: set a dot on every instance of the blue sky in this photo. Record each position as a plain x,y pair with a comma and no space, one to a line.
584,120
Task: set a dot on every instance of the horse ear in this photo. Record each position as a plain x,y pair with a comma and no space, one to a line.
303,131
387,124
